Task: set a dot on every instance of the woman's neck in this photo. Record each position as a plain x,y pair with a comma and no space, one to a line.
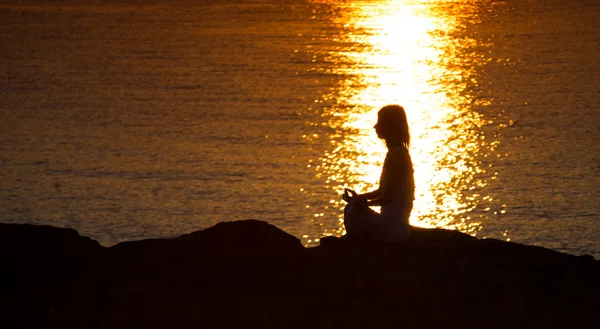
392,144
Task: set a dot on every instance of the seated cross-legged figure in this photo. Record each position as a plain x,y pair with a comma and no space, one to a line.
396,189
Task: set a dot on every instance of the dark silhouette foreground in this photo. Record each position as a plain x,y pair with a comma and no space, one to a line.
396,191
251,274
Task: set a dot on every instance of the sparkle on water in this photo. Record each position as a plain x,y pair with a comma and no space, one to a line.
405,54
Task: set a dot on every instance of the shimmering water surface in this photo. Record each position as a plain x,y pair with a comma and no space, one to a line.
135,119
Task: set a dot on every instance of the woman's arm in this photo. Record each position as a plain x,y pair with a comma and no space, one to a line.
359,200
394,168
391,180
372,195
350,195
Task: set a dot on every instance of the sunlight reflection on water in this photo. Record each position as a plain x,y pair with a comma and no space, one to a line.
404,53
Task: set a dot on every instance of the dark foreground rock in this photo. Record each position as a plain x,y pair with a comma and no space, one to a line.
251,274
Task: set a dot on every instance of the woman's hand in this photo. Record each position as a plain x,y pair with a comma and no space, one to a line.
349,195
359,200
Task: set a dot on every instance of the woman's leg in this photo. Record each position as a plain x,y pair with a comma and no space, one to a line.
395,226
359,221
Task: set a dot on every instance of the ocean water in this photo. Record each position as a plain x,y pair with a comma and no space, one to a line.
139,119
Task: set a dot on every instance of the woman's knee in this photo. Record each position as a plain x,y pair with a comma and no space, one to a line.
350,218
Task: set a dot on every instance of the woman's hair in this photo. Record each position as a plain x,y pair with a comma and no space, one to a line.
394,118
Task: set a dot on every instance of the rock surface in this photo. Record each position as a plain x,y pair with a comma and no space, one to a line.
249,273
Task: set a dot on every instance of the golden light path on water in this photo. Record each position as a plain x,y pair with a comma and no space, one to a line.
405,55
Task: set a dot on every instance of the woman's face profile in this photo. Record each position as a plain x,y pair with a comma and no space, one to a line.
379,127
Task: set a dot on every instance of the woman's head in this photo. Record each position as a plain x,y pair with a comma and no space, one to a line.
392,126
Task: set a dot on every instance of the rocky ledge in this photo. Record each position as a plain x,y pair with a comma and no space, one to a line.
251,274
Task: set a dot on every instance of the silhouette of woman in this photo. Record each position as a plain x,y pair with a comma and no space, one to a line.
396,189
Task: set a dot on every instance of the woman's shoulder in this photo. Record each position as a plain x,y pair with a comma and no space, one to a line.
399,155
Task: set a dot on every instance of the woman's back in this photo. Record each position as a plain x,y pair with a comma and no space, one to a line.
403,187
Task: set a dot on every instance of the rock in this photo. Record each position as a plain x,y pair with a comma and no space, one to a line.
35,251
423,236
246,234
154,254
41,270
249,272
43,239
439,236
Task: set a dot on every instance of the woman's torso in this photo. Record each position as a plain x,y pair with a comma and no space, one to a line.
401,204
